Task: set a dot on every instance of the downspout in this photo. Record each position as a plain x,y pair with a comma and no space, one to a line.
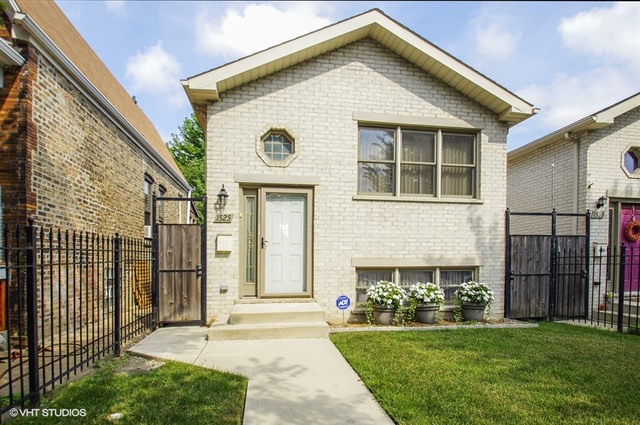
576,176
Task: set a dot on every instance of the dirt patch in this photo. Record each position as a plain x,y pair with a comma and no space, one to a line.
138,365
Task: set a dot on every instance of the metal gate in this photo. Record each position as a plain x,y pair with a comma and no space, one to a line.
546,275
179,269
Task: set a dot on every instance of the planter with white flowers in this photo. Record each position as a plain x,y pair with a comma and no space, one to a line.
474,297
426,297
386,297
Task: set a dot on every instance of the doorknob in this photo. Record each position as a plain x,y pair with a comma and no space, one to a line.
263,243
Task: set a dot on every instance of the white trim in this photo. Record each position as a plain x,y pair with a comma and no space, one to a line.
82,83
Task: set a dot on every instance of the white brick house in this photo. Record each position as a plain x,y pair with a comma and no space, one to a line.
354,153
595,167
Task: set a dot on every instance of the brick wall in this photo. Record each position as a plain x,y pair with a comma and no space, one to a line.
597,155
67,165
529,187
316,100
605,151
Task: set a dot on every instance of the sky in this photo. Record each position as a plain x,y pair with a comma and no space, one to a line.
569,59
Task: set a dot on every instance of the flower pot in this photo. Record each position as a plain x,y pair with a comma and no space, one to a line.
383,315
426,313
473,312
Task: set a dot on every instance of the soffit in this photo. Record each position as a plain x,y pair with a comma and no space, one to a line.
374,24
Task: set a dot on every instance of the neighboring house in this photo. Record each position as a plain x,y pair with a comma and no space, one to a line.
595,167
355,153
76,150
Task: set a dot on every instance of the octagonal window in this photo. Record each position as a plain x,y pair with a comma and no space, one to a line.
631,161
277,146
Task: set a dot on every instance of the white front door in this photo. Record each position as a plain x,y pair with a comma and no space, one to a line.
285,242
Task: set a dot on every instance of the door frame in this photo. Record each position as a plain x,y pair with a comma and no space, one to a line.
260,192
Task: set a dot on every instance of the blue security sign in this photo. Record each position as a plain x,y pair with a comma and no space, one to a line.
343,302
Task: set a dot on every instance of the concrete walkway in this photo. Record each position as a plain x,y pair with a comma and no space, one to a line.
291,381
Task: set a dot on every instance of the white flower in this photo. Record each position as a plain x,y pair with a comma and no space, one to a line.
475,293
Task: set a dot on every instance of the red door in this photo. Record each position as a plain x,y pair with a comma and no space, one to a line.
628,213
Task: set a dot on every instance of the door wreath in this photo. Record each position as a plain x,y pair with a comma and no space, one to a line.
632,231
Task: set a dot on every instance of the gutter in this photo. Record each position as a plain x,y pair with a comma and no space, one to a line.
97,98
551,137
8,56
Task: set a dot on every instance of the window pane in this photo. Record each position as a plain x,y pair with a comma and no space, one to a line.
630,161
458,181
250,210
418,146
375,178
376,144
418,179
367,278
458,149
450,281
410,277
277,146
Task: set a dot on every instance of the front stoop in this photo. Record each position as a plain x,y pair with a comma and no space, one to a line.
271,321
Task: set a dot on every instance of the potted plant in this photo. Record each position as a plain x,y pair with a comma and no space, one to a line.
386,297
474,297
425,299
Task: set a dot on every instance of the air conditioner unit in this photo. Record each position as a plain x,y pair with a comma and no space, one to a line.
148,232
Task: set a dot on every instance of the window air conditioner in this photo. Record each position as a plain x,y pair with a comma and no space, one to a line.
148,232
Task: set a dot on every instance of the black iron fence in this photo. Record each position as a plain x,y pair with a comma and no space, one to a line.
67,299
613,290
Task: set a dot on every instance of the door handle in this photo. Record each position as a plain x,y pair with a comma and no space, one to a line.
263,243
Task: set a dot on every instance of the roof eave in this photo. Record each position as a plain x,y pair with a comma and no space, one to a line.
586,123
9,56
376,25
35,32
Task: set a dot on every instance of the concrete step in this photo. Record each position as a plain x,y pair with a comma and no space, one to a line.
309,330
612,316
243,314
277,320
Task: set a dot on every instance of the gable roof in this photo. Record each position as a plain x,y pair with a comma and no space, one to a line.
43,22
208,86
600,119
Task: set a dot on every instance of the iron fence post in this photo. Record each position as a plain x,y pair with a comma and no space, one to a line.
32,315
117,297
553,281
623,264
155,273
587,268
203,263
507,264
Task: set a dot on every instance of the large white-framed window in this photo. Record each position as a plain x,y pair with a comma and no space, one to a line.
449,279
408,162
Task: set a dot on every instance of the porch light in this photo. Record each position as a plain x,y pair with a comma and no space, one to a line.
222,197
601,202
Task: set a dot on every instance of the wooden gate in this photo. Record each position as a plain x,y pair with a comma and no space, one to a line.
180,273
546,275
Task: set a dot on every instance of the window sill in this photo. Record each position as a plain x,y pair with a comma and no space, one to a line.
417,199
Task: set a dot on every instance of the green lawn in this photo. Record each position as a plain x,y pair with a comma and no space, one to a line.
554,374
175,393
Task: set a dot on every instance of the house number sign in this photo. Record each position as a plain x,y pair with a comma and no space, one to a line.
223,218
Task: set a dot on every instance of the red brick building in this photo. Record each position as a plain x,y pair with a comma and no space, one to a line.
75,149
